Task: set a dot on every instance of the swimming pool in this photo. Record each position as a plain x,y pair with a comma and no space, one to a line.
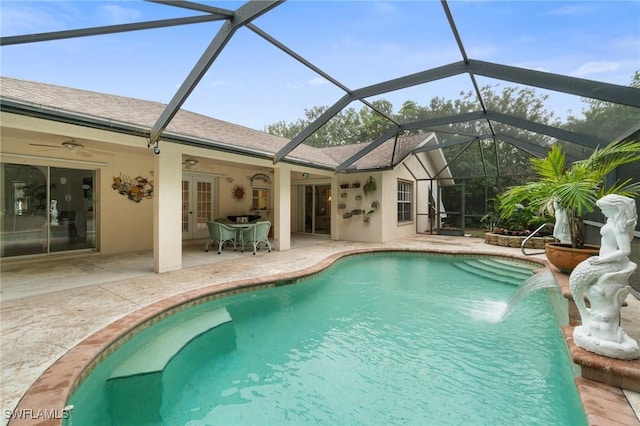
375,339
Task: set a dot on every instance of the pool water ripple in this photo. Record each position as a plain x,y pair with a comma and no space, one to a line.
381,340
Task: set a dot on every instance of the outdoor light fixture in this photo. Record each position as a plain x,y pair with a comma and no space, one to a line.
156,148
305,175
72,146
190,163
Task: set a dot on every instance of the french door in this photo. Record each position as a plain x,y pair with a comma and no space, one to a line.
198,204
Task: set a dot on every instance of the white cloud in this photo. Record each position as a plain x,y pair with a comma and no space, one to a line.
116,14
215,83
573,10
595,67
294,86
299,85
23,19
384,7
348,42
318,81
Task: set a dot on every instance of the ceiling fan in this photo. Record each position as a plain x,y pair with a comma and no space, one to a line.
70,145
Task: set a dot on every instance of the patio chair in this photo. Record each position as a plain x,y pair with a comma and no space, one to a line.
255,234
221,233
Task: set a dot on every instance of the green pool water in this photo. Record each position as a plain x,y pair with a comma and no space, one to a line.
381,339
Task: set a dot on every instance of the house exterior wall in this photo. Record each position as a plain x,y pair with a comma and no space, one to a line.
392,228
355,228
383,225
125,226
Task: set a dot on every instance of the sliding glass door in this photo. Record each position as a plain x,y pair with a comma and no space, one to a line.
46,209
72,194
314,209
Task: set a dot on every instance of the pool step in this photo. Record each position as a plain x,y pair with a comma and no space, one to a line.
156,354
497,270
518,269
137,387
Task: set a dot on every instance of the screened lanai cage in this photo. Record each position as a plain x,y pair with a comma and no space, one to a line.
486,85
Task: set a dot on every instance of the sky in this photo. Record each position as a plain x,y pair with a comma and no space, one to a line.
359,43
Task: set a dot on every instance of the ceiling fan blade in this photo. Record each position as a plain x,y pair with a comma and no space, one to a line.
98,152
48,146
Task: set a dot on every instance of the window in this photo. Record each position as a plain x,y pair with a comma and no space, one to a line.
261,198
405,197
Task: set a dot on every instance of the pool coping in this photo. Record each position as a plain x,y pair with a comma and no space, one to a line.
61,379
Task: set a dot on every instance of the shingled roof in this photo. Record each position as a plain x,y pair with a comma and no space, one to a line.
187,126
388,155
57,101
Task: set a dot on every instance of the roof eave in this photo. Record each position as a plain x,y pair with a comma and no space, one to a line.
69,117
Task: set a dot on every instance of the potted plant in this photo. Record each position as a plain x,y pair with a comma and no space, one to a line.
369,186
574,189
367,217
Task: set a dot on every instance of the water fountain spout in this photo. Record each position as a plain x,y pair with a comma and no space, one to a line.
604,281
539,281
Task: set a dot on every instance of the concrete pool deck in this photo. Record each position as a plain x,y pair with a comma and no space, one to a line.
48,311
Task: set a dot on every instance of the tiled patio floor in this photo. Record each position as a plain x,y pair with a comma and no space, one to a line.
49,309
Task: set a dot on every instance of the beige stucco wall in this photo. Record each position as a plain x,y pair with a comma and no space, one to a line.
383,225
125,226
355,228
226,204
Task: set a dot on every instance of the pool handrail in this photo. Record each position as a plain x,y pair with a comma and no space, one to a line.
531,235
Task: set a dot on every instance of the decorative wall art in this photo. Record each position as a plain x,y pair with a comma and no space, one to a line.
260,176
238,192
134,189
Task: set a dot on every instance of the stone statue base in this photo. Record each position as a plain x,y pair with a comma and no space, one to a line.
626,349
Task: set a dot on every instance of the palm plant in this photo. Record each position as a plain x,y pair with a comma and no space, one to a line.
575,187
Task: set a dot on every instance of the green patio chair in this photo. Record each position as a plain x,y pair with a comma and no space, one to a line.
255,234
221,233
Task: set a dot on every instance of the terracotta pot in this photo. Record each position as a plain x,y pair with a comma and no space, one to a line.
566,258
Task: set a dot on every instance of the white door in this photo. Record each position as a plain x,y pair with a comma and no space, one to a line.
198,204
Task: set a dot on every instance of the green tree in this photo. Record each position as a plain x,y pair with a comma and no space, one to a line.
604,119
355,126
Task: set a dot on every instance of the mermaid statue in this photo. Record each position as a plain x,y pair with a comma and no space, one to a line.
603,279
